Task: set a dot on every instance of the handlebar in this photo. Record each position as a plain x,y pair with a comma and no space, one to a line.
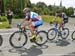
19,26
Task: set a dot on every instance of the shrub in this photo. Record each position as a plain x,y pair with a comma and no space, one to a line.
3,22
48,18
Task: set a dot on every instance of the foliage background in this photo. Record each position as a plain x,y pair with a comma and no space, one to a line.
18,5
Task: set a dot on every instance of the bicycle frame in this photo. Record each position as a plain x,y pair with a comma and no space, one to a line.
55,27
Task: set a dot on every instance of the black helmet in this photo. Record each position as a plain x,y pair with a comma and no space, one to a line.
59,13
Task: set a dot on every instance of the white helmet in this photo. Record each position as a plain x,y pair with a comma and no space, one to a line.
25,10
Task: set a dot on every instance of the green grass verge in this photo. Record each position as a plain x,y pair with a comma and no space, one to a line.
3,22
47,18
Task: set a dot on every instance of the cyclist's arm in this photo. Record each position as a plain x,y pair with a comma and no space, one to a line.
28,23
23,21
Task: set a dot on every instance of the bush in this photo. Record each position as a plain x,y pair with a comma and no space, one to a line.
3,22
48,18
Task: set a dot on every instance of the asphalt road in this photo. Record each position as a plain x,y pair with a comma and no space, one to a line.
51,48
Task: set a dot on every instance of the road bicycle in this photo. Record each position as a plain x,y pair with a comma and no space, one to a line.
53,32
19,38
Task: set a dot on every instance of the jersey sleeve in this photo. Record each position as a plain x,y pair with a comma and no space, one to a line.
26,17
33,15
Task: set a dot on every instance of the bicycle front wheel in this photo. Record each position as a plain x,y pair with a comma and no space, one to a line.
18,39
65,33
73,36
41,38
52,34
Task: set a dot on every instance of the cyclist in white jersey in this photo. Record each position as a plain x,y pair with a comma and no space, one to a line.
34,20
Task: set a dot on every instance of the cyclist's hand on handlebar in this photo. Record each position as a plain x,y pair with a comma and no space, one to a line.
21,26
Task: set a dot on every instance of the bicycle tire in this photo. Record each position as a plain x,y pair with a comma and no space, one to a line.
52,37
45,40
63,35
10,39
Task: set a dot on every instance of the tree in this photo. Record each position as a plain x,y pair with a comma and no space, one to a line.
43,9
69,11
1,7
41,5
18,5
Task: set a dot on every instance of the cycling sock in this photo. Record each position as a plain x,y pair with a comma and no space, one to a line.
33,36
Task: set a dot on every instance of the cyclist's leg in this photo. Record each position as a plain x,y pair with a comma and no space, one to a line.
59,28
60,22
35,24
63,25
56,25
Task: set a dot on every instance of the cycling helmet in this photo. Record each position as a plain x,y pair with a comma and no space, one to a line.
59,13
26,10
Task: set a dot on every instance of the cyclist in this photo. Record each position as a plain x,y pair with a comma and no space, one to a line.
58,21
32,20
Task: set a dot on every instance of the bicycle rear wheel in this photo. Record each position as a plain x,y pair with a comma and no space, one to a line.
41,38
73,35
18,39
52,34
65,33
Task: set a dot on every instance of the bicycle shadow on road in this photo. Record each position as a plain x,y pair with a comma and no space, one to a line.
32,51
70,54
60,42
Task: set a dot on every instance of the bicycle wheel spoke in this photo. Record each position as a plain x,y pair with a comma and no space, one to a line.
51,34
